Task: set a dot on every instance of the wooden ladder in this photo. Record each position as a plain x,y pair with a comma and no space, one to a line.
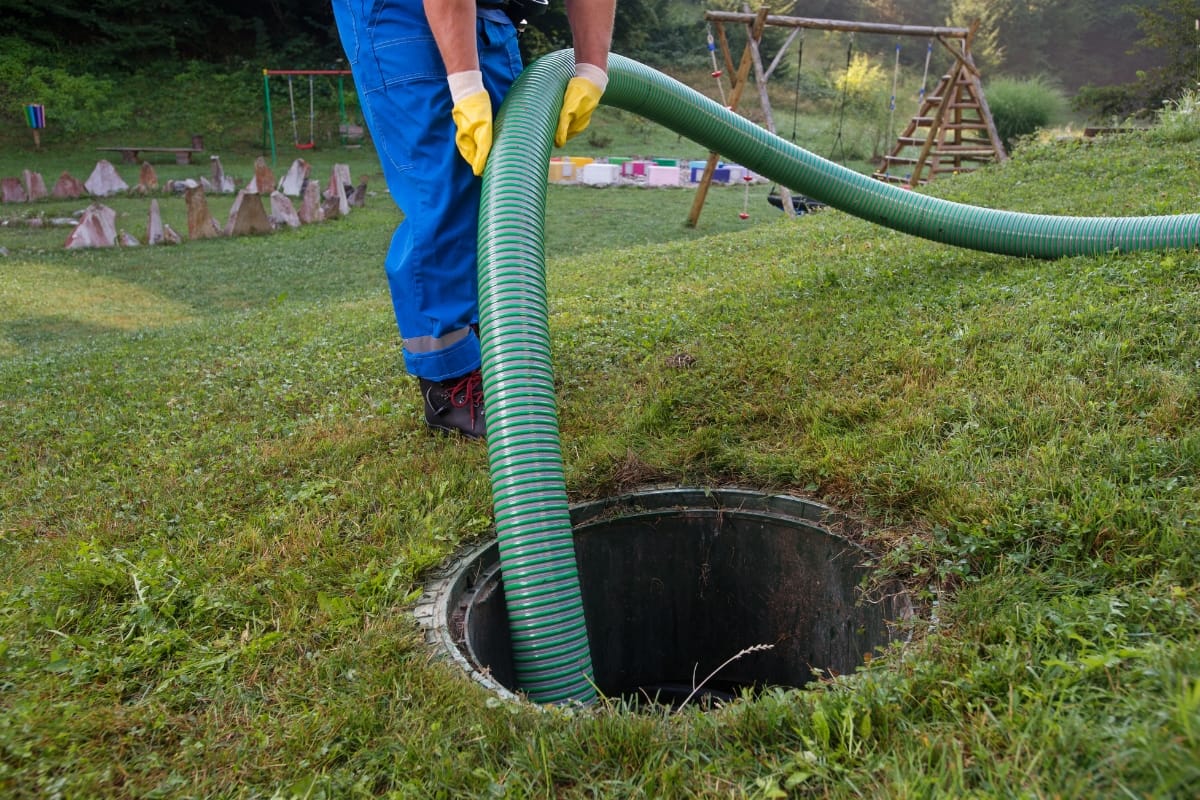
952,132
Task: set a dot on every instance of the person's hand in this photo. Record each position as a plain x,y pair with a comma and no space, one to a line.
472,115
579,101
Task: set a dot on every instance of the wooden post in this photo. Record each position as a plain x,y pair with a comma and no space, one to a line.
935,128
760,80
845,26
755,30
984,108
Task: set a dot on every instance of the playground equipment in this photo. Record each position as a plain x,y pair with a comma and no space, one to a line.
312,116
35,115
712,53
959,133
952,131
346,130
551,655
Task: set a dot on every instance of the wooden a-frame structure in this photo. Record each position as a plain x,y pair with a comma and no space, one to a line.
959,130
953,130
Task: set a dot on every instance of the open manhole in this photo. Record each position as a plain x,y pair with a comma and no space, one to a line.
675,582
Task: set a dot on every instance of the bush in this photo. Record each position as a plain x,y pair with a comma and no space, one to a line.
1022,106
75,104
1104,103
1179,120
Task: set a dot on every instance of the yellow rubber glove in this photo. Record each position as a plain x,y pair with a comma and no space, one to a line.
579,101
472,114
473,118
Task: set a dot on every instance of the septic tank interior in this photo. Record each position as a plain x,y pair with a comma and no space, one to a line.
677,581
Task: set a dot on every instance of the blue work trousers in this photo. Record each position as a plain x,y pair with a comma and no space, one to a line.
406,104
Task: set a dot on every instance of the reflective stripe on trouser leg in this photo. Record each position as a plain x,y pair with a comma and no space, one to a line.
433,344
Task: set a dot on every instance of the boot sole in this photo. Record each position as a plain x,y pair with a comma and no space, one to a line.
450,430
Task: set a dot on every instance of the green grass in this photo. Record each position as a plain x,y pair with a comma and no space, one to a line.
218,502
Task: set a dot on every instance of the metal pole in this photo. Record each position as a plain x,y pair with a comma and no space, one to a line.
342,110
269,124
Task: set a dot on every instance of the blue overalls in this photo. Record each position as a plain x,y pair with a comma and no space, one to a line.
401,83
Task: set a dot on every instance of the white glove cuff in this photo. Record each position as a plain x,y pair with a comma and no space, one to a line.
464,84
595,74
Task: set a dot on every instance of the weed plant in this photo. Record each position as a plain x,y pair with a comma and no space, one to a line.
1179,120
218,501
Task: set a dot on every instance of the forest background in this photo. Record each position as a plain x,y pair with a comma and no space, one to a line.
172,67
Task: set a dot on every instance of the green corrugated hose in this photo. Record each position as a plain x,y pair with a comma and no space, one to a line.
537,555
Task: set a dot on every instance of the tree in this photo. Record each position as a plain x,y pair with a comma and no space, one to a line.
1172,29
907,12
119,34
1071,42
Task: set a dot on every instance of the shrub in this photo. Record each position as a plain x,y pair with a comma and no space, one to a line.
862,81
1022,106
1109,102
75,104
1179,120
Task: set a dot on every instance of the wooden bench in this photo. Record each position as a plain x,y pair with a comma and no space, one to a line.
1093,132
183,155
351,134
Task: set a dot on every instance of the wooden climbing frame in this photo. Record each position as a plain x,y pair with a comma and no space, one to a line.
957,132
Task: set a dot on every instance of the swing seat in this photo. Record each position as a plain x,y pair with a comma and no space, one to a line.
800,203
305,145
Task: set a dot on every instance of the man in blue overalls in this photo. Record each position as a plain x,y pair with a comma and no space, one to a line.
429,78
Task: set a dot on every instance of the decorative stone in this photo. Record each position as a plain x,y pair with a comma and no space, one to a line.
247,216
310,206
220,182
283,212
339,185
12,191
201,224
147,178
127,239
67,187
264,179
358,198
170,236
339,176
293,182
154,226
216,170
35,186
331,208
97,228
104,180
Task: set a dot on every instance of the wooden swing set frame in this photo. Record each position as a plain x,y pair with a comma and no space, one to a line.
941,112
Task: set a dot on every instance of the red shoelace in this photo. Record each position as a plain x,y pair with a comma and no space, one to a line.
470,387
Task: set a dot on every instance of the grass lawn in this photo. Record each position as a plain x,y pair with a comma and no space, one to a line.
218,502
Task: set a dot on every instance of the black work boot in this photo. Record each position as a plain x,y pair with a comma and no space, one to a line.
456,405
